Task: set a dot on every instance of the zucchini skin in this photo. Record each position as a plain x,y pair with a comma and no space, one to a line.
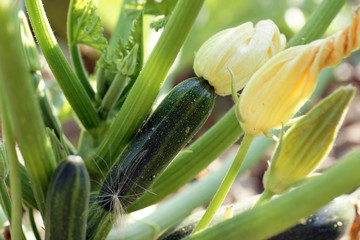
174,122
331,222
67,201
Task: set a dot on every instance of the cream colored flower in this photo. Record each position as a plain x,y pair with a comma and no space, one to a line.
285,82
307,142
243,49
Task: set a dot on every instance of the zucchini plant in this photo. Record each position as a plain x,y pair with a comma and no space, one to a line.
134,147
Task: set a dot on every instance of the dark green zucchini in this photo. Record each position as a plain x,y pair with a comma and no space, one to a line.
67,201
174,122
331,222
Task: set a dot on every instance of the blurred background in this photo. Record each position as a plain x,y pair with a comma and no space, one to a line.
216,15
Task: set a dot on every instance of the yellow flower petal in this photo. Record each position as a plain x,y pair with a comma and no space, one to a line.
284,83
243,49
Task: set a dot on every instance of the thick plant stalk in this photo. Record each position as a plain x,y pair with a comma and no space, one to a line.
285,211
24,110
68,81
146,87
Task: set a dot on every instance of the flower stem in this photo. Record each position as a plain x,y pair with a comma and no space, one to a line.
226,184
68,81
265,196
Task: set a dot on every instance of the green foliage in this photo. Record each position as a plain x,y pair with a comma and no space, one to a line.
86,25
126,165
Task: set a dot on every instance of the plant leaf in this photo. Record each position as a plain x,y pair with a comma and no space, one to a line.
86,25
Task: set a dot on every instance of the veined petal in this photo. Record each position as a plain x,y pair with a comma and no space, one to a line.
285,82
243,49
307,143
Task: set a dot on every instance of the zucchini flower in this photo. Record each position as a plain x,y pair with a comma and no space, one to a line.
243,49
307,142
285,82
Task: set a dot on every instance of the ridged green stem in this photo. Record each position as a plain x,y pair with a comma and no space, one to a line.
318,22
25,115
68,81
147,86
264,197
282,212
226,184
14,174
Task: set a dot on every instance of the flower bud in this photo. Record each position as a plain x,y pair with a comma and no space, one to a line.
307,142
243,49
285,82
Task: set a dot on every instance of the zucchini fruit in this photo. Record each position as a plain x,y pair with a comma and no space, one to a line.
331,222
67,201
174,122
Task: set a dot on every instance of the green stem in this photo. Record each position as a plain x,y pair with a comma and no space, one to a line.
24,112
147,86
33,224
68,81
286,210
226,184
113,94
265,196
318,22
15,182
